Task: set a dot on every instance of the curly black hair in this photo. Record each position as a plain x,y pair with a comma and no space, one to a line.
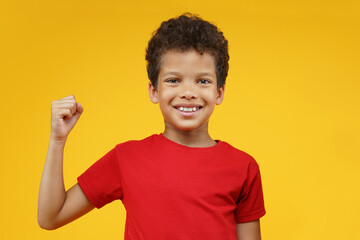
183,33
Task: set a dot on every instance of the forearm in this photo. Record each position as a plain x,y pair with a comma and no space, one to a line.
52,192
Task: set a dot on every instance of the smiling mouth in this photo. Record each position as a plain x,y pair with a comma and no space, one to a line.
188,109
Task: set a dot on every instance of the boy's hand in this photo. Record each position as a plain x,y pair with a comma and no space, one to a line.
64,115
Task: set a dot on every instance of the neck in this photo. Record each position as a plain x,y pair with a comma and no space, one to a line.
193,138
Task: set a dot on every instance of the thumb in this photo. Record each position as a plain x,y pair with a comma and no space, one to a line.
72,121
79,110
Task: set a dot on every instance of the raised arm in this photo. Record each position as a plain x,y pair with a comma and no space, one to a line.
57,207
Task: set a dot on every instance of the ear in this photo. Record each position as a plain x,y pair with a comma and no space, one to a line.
220,95
153,94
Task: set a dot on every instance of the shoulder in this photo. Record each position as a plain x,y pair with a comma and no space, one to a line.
239,155
136,144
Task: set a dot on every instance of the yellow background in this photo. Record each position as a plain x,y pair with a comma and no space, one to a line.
291,101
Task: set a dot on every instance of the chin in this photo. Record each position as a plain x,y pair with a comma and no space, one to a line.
188,128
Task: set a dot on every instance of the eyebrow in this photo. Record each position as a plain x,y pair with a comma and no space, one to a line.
177,73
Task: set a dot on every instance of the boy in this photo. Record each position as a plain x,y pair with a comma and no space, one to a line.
180,184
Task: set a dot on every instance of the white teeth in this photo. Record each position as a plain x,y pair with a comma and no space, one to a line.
190,109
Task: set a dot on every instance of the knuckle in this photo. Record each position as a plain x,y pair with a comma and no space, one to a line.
72,107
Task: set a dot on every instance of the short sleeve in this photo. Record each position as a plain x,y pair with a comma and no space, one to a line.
250,205
101,182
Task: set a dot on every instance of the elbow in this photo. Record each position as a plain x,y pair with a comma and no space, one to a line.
46,224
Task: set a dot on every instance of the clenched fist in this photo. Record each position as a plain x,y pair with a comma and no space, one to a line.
65,113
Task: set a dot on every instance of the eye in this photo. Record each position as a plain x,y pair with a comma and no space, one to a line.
204,81
172,80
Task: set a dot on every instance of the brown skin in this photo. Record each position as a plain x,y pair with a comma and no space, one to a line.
248,231
57,207
186,78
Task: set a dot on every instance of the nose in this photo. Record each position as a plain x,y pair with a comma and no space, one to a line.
188,92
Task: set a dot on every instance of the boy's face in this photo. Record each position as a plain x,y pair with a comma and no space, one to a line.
187,91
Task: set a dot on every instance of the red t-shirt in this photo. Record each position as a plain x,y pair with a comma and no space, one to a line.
171,191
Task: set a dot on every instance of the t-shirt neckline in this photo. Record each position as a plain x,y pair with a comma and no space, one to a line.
169,143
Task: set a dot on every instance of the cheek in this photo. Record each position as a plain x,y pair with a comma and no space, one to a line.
166,96
210,97
165,99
